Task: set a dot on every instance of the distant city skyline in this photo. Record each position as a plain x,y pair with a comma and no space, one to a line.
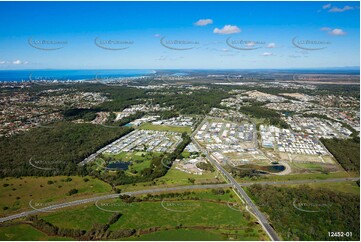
179,35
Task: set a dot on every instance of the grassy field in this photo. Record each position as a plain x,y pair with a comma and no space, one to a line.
167,215
139,160
139,166
149,126
186,213
174,177
23,232
79,217
179,235
300,168
194,235
133,156
147,214
348,187
16,193
303,158
186,154
311,166
309,176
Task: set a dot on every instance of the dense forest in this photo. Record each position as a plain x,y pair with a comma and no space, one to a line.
97,232
80,113
304,213
271,116
189,102
56,148
346,151
196,102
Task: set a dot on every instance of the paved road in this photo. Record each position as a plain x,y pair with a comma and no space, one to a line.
238,189
236,186
170,189
299,181
104,197
249,203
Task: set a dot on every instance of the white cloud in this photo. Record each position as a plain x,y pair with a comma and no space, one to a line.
333,31
267,54
2,62
203,22
337,32
326,6
157,35
271,45
227,29
17,62
339,10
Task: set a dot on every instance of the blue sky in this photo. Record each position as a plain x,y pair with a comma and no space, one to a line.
157,35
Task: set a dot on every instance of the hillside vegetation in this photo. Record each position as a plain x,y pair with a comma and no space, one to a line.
56,148
304,213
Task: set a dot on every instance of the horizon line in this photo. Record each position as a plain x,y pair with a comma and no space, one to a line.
290,68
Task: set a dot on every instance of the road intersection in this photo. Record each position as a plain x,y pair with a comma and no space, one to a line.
231,183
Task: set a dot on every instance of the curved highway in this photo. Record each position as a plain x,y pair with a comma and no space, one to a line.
104,197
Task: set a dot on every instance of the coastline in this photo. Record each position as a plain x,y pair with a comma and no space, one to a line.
70,75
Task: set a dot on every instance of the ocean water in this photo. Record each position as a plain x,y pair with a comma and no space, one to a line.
64,75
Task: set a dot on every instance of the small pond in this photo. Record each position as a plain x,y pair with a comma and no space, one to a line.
119,165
